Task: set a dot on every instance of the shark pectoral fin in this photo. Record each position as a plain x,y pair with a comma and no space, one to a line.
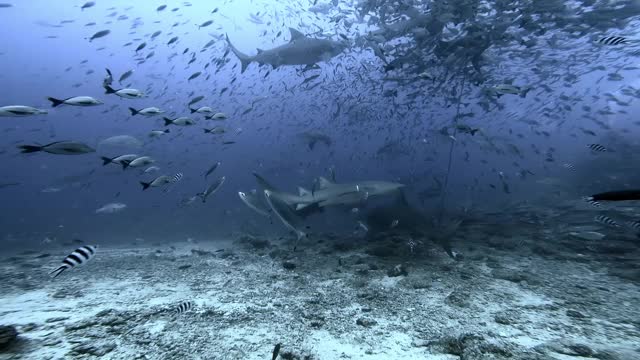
295,34
304,192
324,183
301,206
259,50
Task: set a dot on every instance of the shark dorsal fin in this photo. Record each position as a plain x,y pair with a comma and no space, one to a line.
303,192
324,183
295,34
259,50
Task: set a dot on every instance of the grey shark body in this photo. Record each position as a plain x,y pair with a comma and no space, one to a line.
300,50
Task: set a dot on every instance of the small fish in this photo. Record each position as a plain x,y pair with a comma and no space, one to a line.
504,89
125,76
150,111
592,202
568,166
108,80
59,148
75,101
180,121
111,208
99,34
394,223
151,169
597,148
161,7
205,24
211,169
156,133
363,226
118,159
137,162
177,177
141,46
276,351
87,5
194,75
211,189
633,224
159,181
124,93
20,110
215,130
78,257
183,307
603,219
202,110
195,100
172,40
613,40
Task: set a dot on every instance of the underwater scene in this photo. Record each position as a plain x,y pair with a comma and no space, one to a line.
320,179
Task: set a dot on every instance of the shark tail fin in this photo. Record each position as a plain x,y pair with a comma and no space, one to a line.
244,59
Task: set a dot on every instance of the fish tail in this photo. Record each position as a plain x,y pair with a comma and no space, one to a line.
58,271
524,92
30,148
125,164
109,90
106,160
193,110
167,121
166,131
134,112
474,131
244,59
145,185
206,131
55,102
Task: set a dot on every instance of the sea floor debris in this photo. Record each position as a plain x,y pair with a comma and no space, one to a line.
328,301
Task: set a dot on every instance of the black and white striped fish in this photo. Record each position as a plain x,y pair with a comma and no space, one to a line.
597,148
177,177
614,40
633,224
79,257
603,219
568,166
591,201
183,307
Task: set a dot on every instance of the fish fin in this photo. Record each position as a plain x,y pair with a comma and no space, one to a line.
109,72
524,92
324,183
133,111
30,148
167,121
145,185
295,34
109,90
259,50
301,206
303,192
244,59
106,160
55,102
58,271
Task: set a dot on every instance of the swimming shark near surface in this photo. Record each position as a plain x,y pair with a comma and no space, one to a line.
300,50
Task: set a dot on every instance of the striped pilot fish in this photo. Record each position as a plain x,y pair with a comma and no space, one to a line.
183,307
78,257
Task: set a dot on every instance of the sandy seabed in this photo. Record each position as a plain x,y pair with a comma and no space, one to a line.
333,298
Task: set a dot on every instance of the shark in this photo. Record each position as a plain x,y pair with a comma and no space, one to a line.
300,50
329,193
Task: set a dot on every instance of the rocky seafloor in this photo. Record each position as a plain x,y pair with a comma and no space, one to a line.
511,296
